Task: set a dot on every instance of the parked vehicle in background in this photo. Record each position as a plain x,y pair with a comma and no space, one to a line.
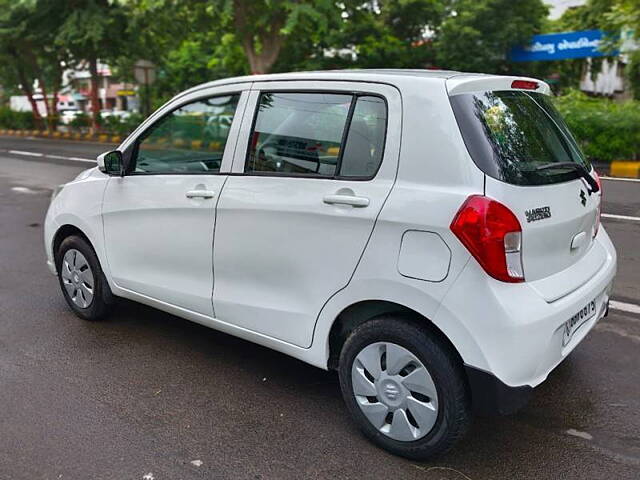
121,114
433,236
68,116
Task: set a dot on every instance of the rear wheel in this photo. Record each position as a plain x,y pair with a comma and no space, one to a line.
83,284
404,387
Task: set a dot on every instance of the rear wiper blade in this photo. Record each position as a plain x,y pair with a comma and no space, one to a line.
584,173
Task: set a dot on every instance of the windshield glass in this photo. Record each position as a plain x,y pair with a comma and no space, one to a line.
510,134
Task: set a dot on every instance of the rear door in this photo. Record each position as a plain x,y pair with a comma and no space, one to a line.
515,136
314,164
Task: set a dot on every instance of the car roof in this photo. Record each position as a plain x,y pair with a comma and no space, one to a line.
382,75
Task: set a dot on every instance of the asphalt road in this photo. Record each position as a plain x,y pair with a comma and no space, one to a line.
147,395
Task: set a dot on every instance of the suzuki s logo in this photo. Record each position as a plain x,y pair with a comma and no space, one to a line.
391,391
583,198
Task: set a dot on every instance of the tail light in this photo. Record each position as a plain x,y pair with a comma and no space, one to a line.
492,234
596,227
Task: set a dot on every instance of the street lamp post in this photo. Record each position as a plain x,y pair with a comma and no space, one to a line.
144,72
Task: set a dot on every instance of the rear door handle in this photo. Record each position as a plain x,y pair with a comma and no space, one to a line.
352,200
200,194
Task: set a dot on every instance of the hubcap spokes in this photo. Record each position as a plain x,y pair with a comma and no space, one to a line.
77,278
395,391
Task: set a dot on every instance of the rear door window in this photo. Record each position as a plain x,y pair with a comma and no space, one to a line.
510,134
326,135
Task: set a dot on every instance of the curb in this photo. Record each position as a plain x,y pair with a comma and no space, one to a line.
625,169
100,138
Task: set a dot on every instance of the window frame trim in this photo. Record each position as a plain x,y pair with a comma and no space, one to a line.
355,94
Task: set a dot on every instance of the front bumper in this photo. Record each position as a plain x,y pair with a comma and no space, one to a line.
52,267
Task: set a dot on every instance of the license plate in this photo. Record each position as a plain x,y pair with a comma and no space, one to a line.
575,322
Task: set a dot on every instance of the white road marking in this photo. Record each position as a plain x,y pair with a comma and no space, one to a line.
23,190
621,179
47,155
621,217
624,307
22,152
578,433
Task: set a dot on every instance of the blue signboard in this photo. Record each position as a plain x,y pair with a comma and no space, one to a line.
558,46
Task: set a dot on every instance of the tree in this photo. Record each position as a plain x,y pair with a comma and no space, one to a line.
93,30
263,26
391,33
478,35
27,32
624,17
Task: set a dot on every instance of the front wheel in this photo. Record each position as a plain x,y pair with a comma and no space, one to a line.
83,284
404,387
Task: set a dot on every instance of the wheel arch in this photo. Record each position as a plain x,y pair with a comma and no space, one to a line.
360,312
65,231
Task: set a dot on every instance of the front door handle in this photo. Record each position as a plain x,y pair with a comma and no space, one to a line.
200,194
352,200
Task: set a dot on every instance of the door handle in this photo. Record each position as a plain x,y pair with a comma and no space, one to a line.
200,194
352,200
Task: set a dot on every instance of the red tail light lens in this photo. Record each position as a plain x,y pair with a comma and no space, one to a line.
525,84
492,234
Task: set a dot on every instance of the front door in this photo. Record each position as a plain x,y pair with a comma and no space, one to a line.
159,218
294,219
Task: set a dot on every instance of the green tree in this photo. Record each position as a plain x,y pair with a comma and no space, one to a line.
391,33
624,17
28,53
477,35
93,30
263,27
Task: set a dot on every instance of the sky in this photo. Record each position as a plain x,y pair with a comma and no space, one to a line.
559,6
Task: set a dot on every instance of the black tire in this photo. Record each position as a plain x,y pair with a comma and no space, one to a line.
102,297
454,412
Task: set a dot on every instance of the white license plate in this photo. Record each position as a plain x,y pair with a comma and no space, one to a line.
575,322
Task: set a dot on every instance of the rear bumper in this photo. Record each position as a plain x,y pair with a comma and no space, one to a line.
511,331
490,396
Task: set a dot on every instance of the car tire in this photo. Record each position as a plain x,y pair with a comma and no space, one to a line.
81,279
408,395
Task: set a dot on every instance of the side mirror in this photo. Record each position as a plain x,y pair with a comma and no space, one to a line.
111,163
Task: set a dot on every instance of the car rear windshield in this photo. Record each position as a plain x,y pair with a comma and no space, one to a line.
510,134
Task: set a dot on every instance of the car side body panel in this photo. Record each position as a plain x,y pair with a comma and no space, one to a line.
85,215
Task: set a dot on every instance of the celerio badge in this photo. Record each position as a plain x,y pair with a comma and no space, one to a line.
536,214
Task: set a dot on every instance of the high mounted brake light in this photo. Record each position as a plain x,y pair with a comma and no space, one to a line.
525,84
492,234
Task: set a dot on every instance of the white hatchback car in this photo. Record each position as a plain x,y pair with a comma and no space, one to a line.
433,236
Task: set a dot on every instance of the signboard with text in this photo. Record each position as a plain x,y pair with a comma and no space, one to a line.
559,46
